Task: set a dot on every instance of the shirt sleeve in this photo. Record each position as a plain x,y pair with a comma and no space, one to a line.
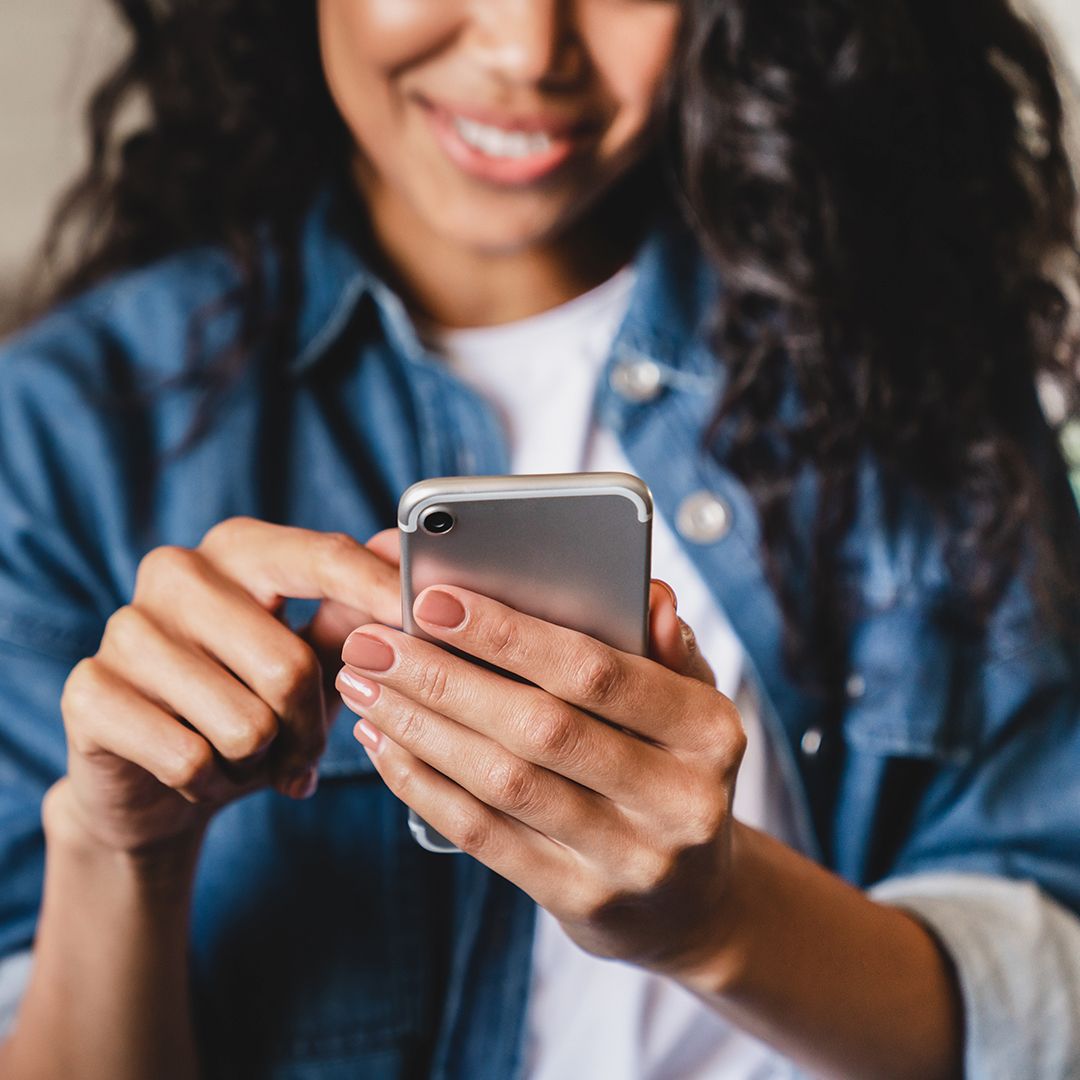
56,591
1016,954
14,979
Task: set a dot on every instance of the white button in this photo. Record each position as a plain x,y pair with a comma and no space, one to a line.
811,741
639,379
855,686
703,518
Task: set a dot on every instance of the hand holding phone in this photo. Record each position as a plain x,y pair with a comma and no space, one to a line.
596,780
570,548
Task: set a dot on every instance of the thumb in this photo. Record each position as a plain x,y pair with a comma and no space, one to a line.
387,545
671,641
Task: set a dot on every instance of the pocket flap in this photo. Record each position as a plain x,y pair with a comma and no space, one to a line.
905,668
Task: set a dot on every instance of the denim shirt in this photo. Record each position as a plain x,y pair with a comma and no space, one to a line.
324,942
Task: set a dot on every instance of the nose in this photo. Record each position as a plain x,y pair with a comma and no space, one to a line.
531,42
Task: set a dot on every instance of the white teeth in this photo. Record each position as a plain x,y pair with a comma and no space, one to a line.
497,142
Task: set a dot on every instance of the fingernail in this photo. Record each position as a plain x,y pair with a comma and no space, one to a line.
302,785
364,733
368,691
440,609
353,704
365,651
671,593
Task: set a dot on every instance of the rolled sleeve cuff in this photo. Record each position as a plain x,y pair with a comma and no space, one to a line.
1017,958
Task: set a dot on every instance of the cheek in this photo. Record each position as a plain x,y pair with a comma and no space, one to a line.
365,45
631,57
389,33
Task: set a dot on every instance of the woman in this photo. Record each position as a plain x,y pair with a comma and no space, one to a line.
360,242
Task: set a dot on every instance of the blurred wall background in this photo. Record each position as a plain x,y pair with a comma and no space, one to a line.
51,52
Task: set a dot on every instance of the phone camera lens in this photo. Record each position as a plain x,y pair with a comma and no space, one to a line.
437,522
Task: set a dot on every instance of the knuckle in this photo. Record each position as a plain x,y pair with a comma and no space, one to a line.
703,818
126,628
510,785
650,871
689,638
501,638
550,733
398,776
737,742
728,735
720,724
262,722
431,680
409,725
189,768
594,903
335,558
594,677
225,533
292,675
80,686
81,690
163,564
256,730
334,546
472,829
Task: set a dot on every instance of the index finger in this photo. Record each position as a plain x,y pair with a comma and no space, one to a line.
276,562
631,691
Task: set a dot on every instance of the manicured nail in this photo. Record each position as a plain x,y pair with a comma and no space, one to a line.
367,691
365,651
302,785
440,609
364,733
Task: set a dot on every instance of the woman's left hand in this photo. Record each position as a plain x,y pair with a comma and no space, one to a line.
603,790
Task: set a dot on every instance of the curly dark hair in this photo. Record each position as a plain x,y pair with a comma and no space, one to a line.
884,186
888,193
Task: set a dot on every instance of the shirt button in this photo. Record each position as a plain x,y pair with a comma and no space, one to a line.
639,379
811,741
855,685
703,518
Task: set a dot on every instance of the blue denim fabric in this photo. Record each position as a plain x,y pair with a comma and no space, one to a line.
325,943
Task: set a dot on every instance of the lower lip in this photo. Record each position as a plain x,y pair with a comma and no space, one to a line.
510,172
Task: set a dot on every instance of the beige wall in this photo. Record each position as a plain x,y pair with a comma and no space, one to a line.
51,51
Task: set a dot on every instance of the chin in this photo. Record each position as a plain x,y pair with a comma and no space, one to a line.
494,234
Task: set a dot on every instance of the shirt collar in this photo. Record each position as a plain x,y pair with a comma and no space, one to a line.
335,281
673,298
674,292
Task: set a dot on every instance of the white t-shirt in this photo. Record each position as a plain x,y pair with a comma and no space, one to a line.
588,1017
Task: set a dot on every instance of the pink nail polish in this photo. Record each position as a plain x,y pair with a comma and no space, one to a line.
368,652
367,735
366,691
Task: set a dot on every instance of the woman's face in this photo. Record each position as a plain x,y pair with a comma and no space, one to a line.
495,123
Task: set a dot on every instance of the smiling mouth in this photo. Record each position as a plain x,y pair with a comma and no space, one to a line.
506,149
497,142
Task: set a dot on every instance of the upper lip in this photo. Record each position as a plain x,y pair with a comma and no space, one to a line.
531,123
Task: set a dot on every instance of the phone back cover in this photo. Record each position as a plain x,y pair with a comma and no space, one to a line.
580,561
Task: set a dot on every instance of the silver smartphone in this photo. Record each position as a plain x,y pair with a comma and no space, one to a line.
570,548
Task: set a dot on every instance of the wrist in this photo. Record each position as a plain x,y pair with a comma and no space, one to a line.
168,865
718,968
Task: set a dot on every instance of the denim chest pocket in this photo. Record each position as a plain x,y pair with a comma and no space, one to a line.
905,691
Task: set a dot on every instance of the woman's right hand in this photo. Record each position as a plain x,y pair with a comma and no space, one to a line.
199,693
